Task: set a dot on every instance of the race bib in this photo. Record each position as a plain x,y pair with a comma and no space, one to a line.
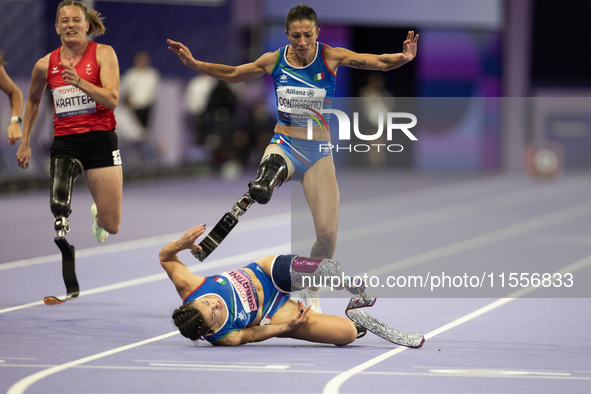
299,103
246,292
71,101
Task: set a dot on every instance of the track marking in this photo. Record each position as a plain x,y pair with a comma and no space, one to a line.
447,213
332,387
494,373
247,225
557,217
20,386
156,277
450,190
223,366
214,368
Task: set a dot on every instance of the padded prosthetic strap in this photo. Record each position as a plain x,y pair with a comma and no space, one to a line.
378,327
309,271
63,173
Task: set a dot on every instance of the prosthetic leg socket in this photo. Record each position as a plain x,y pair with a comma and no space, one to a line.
273,171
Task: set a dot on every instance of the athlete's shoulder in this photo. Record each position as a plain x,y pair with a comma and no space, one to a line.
104,49
42,65
269,58
337,53
267,61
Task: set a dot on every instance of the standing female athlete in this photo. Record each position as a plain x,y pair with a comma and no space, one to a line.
84,80
304,74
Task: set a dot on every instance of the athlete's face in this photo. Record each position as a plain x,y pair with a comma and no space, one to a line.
302,35
71,24
212,308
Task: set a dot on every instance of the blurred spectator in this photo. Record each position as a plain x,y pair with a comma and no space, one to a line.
261,121
140,85
197,96
376,99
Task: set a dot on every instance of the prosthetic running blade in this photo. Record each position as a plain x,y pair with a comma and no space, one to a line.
68,273
378,327
223,228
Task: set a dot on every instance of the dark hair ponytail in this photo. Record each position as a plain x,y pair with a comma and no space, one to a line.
190,322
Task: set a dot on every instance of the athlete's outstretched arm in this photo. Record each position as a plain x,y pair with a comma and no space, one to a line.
182,278
15,97
38,83
364,61
261,333
233,74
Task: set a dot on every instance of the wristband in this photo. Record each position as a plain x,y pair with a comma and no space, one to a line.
16,119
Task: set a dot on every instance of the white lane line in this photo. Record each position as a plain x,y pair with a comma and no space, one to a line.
222,366
557,217
422,195
553,218
494,373
246,225
20,386
333,386
236,259
427,194
215,368
447,213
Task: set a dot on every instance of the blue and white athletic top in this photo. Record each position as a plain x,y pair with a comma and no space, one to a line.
240,298
302,92
238,295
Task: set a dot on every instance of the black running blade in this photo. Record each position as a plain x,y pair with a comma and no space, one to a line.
216,236
68,273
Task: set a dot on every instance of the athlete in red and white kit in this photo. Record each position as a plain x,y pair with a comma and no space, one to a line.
84,80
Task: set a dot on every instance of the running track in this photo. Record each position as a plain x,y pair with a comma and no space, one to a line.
118,336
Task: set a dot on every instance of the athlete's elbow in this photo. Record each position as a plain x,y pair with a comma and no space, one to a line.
112,103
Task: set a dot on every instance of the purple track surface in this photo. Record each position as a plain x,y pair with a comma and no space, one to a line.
117,337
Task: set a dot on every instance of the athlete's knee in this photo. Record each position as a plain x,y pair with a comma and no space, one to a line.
327,240
273,172
325,245
63,173
110,223
111,228
348,334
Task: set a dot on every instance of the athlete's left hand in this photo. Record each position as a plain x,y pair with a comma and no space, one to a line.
409,47
187,241
299,318
181,50
70,75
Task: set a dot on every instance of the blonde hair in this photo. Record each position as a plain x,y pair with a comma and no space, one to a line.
93,17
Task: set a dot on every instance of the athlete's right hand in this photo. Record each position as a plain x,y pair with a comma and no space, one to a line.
23,155
182,52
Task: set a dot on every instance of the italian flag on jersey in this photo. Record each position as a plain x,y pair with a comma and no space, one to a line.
221,281
319,76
